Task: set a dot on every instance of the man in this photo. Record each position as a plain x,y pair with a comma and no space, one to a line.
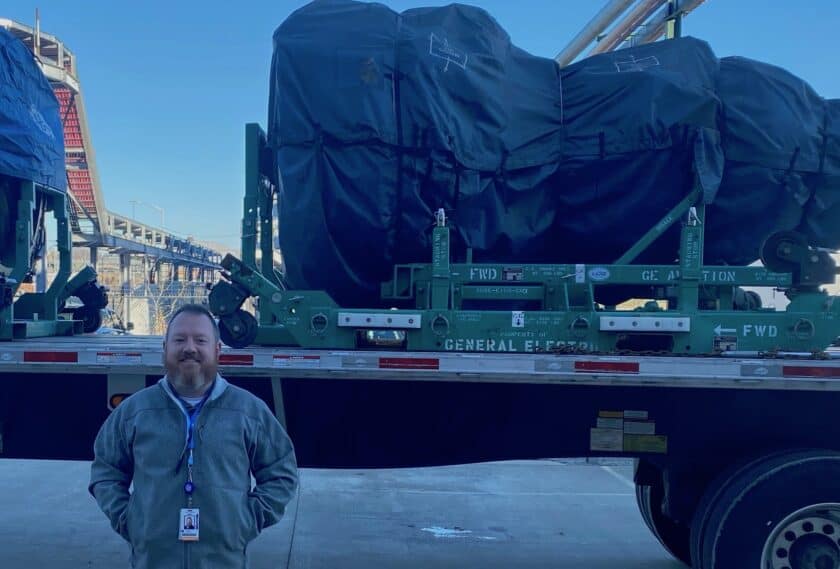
190,444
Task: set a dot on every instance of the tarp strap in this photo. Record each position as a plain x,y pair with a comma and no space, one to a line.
824,145
791,167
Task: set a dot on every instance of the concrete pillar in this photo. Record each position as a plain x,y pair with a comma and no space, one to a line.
147,278
125,271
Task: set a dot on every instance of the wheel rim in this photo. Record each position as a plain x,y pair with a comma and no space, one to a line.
807,539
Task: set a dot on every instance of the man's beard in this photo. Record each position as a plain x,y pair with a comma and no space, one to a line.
194,379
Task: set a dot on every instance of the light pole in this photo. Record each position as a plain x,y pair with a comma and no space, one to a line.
159,209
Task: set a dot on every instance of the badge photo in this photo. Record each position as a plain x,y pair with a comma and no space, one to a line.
188,524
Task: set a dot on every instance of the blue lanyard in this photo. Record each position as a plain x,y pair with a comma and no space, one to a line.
192,419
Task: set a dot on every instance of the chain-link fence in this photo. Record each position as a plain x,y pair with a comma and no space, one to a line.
149,306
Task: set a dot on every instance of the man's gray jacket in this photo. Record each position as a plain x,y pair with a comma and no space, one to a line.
144,441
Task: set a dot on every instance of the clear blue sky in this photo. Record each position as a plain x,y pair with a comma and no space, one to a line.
170,85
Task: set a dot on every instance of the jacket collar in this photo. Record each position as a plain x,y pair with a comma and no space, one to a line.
219,386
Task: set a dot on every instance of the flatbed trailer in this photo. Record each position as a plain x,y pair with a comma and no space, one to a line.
711,435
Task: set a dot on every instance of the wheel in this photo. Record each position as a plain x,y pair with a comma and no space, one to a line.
781,512
643,501
91,318
711,496
779,251
674,536
238,330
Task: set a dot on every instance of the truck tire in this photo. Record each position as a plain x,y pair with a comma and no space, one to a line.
711,496
674,536
780,512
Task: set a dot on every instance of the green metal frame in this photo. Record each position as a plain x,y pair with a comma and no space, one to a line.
37,314
440,303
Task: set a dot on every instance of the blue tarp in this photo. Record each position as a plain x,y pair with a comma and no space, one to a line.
31,138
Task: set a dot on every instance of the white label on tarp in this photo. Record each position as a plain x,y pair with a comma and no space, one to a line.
640,415
517,319
610,423
580,274
610,440
640,427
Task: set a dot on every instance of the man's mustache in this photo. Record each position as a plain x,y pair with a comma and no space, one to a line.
185,358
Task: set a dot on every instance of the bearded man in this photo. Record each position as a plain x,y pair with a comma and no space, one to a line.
190,445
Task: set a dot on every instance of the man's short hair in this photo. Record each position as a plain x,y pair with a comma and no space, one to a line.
194,309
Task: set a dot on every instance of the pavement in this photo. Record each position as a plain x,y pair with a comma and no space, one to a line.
522,514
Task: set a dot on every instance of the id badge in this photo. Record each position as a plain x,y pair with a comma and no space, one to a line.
188,525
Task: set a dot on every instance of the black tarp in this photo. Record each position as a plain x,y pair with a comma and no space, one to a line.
378,119
31,138
773,134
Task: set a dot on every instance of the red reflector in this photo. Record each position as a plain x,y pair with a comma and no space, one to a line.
409,363
810,371
51,357
236,359
613,367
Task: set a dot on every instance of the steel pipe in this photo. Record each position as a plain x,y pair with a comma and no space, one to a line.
655,27
590,31
640,12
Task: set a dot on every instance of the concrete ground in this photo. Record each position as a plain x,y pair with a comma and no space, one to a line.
557,514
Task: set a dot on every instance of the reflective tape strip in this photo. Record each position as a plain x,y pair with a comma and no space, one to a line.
810,371
236,359
606,366
119,357
9,357
286,360
51,357
409,363
359,362
761,370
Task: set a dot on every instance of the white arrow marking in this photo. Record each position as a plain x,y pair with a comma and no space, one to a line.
719,330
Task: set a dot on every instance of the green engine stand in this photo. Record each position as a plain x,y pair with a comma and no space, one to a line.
690,308
33,315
